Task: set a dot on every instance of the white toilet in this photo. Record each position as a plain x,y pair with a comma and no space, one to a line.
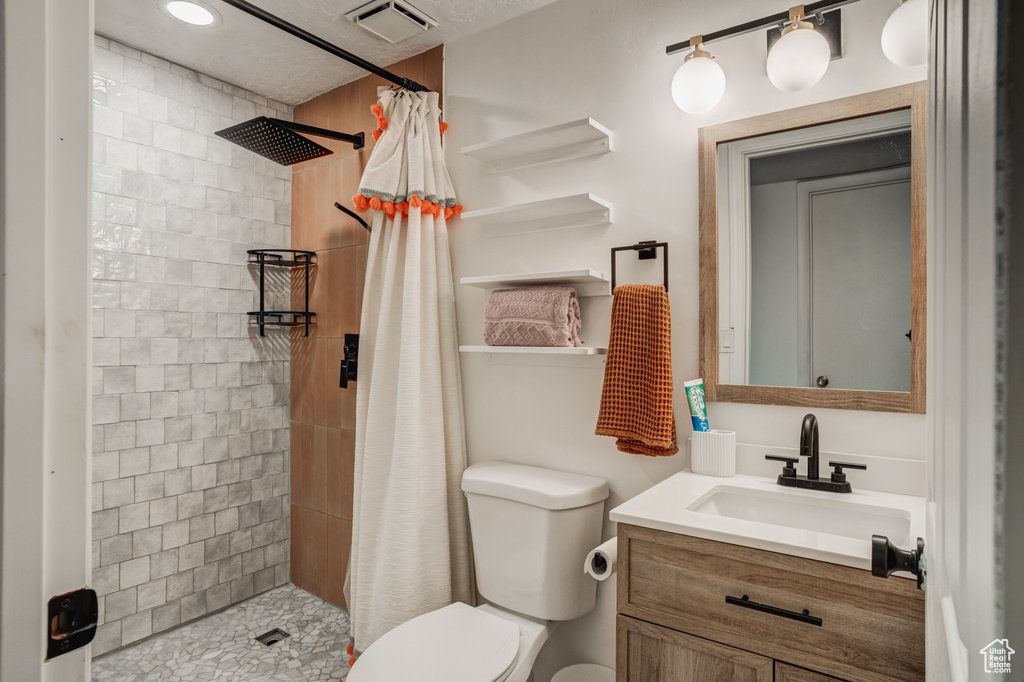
532,529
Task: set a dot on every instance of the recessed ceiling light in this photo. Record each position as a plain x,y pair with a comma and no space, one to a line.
190,13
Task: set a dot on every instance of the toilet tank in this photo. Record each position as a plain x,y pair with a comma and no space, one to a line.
532,529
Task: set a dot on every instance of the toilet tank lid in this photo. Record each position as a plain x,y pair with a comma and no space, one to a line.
545,488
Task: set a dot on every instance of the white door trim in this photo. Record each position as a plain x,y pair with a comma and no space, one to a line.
46,327
963,613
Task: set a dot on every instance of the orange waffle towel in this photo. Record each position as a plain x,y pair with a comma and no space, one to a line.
636,401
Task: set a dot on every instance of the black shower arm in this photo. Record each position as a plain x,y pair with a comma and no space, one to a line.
356,139
278,22
353,214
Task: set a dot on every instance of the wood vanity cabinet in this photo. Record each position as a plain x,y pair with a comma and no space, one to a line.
789,673
657,654
786,618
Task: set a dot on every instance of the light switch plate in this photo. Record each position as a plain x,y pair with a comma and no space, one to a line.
725,339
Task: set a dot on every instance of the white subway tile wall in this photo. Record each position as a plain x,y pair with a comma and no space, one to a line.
190,406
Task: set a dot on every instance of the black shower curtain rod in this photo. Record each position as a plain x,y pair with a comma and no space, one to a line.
280,23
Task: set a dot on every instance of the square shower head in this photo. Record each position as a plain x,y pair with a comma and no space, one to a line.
271,138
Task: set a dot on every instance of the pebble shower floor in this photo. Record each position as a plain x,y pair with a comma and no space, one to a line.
223,646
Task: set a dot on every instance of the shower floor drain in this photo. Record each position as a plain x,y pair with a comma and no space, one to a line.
272,637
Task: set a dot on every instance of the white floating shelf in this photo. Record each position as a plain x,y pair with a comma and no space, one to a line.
573,140
586,282
534,350
577,210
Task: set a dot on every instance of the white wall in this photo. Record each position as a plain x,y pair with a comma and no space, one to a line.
606,59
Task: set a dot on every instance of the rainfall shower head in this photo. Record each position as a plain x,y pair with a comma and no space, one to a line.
280,141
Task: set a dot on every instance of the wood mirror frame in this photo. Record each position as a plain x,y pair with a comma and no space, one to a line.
913,97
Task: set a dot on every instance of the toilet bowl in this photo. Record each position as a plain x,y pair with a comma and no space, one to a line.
457,643
532,529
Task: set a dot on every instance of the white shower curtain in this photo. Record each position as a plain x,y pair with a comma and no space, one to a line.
410,531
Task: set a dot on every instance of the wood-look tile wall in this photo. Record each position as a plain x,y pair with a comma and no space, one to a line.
322,414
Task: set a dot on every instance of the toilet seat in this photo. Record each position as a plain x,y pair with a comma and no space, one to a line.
457,643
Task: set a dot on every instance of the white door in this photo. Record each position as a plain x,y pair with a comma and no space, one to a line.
962,585
45,313
858,229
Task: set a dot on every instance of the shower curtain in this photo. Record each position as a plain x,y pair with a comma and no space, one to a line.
410,531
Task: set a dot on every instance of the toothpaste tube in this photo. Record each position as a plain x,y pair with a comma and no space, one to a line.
695,399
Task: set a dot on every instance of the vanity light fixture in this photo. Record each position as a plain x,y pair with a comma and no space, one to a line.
800,57
699,83
905,36
191,12
800,50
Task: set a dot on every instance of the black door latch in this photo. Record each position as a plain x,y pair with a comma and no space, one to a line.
71,622
351,362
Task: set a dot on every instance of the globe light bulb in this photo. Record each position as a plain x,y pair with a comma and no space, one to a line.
699,83
905,36
799,59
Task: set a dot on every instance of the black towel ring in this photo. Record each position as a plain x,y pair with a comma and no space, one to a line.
646,250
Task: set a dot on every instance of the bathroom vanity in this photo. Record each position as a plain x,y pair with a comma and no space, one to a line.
776,588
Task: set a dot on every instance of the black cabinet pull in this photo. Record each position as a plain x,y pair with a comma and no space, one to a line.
745,602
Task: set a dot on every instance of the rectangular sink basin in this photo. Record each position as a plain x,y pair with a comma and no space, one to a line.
834,515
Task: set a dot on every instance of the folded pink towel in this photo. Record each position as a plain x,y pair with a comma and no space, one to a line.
535,316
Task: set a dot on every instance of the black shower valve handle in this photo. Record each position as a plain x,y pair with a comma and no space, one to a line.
788,471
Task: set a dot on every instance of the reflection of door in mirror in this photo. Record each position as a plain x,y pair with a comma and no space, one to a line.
815,257
860,280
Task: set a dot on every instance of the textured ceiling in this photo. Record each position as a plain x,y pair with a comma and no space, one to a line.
246,52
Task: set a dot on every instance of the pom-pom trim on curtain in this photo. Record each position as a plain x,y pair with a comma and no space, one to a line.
391,204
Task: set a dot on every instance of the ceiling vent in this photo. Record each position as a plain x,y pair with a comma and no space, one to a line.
392,20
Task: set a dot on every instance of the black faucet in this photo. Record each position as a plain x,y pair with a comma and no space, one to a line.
809,445
836,483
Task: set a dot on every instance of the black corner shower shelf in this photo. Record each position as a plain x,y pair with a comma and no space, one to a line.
282,258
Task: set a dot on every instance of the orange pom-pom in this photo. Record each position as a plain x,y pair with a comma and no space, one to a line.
349,650
444,127
457,209
403,208
448,212
360,201
351,661
435,210
377,110
415,201
376,203
382,123
389,208
376,135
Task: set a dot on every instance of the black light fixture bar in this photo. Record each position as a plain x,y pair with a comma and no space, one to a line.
278,22
810,9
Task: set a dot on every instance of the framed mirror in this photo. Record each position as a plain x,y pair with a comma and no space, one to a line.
812,255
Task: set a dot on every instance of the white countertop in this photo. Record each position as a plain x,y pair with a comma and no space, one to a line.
665,506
